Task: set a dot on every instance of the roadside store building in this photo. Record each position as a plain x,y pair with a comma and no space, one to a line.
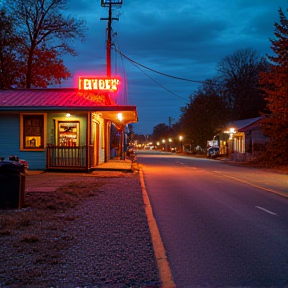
242,140
65,128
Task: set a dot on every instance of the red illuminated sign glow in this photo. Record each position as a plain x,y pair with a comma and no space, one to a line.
91,83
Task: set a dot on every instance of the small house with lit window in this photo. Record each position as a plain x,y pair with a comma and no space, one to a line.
65,128
243,140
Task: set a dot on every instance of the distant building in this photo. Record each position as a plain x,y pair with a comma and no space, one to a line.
242,140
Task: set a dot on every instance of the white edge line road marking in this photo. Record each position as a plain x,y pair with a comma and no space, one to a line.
159,250
256,186
186,165
263,209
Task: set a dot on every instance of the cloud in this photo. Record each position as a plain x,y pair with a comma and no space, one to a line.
183,38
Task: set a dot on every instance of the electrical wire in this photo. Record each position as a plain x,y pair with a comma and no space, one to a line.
137,66
161,73
183,99
123,71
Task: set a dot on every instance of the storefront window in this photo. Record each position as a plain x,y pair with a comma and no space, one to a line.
33,131
68,133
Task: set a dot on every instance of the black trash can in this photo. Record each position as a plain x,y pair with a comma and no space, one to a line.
12,184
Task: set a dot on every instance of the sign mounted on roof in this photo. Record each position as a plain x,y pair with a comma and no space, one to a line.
98,84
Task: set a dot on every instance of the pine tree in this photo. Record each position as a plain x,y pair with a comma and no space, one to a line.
275,87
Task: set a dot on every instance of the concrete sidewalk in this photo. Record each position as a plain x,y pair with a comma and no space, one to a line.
116,165
46,181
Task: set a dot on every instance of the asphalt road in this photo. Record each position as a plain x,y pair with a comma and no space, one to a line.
221,225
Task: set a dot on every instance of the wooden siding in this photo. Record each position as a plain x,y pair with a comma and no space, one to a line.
10,142
10,137
9,131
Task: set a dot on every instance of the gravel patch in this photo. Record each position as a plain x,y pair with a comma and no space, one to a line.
92,232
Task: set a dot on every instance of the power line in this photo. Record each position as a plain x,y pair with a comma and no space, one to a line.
161,84
137,66
161,73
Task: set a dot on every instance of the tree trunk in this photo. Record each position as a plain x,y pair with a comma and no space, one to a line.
29,67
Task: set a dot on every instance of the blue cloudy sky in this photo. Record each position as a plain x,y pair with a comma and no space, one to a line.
183,38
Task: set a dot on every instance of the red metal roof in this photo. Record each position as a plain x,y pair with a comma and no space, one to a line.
64,99
61,97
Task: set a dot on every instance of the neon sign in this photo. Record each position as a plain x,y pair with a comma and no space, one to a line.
103,84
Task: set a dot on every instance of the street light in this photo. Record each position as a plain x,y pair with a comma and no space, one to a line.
158,144
180,139
164,142
231,133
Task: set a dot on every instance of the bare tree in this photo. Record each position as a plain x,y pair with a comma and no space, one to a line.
10,50
45,27
239,74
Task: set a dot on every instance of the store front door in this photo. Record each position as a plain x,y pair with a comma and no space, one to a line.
95,158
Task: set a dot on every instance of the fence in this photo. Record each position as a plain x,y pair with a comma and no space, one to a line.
68,157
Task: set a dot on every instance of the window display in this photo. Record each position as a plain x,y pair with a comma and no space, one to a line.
33,131
68,133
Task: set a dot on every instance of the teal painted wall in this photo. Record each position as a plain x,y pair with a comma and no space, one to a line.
10,137
10,143
51,123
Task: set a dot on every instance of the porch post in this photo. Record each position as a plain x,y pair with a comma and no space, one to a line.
108,141
122,152
88,136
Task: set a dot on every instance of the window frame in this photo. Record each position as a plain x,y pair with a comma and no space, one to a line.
22,132
67,122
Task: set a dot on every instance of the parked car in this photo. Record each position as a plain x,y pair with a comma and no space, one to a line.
213,152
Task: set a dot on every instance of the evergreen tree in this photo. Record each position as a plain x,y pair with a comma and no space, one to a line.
275,85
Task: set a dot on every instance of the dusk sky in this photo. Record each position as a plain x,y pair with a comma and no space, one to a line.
182,38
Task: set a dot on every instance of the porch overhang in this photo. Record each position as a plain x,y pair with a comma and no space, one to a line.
120,117
128,113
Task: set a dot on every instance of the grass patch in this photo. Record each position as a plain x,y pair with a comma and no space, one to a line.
44,206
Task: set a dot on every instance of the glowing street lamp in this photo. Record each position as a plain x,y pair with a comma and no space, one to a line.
180,139
164,144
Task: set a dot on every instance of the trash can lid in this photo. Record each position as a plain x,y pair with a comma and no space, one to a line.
11,166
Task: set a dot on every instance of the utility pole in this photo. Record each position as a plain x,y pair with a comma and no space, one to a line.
170,122
109,3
